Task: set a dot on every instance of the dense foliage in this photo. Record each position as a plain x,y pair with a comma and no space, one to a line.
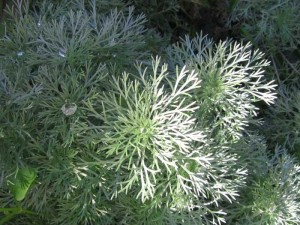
274,27
102,122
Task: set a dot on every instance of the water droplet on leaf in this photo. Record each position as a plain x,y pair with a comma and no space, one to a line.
62,53
20,53
69,109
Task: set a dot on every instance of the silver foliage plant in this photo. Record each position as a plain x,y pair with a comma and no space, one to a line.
273,26
232,76
151,141
152,145
273,23
283,119
56,35
271,197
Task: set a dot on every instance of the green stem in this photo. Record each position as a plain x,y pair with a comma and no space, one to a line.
8,217
13,212
17,210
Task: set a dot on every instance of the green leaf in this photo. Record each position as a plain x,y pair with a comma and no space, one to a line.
20,184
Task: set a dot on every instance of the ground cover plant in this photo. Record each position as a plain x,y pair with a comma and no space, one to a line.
105,122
